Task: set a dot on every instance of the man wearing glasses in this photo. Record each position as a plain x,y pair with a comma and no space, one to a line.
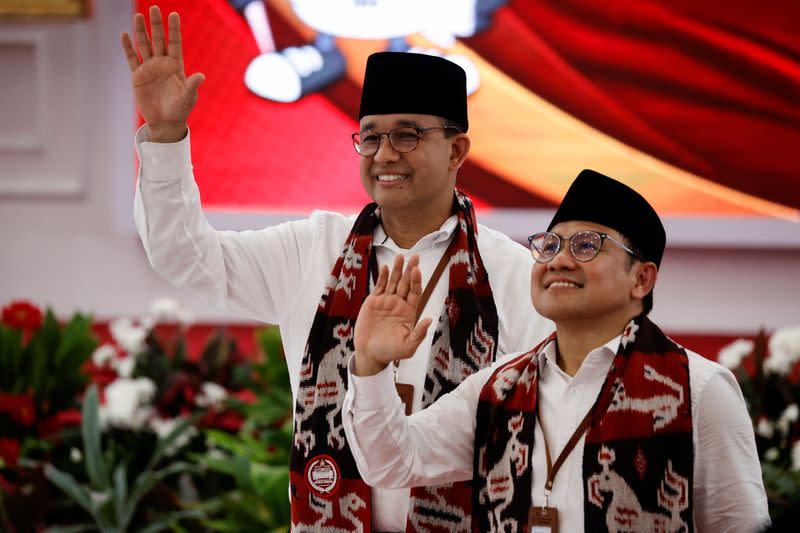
311,276
606,425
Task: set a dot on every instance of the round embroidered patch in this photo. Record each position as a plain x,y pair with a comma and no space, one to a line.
322,476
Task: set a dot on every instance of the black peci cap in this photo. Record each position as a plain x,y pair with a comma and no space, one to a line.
403,82
594,197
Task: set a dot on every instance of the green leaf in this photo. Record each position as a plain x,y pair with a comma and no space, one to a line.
165,443
122,512
169,520
79,528
270,482
67,483
92,452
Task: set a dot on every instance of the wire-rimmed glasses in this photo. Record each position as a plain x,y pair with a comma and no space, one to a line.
583,245
402,138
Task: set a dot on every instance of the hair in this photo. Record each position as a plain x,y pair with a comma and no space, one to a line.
453,128
647,301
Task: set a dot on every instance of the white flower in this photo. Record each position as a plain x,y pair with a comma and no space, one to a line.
127,403
185,318
100,497
164,426
75,455
124,366
104,354
796,456
731,355
771,454
765,428
788,416
791,413
784,350
128,335
211,394
164,310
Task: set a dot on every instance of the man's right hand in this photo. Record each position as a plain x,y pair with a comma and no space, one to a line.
164,94
387,329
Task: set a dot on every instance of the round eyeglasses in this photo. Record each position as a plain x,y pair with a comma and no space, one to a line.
584,245
403,139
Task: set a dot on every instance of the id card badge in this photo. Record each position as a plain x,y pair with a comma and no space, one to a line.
542,520
406,393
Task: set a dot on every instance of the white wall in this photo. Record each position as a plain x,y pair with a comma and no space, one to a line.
66,161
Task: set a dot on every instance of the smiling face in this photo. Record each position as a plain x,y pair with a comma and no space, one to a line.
419,182
604,291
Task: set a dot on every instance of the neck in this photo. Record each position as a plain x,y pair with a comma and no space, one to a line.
405,228
575,341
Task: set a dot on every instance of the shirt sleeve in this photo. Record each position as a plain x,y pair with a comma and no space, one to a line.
430,447
729,492
249,272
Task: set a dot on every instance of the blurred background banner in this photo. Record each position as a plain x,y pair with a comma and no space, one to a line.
692,103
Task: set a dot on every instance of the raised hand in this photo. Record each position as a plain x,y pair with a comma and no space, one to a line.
386,328
164,94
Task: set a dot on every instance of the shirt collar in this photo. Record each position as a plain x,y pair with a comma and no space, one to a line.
443,234
597,360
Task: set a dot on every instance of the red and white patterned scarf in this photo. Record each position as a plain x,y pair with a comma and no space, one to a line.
638,454
327,491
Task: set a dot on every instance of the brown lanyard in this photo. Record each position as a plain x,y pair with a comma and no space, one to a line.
552,468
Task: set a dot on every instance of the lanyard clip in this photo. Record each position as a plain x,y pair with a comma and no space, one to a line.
546,503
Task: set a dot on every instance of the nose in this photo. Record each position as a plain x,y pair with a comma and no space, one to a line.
386,151
563,259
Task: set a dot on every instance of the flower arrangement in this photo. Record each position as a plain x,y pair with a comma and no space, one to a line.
138,433
768,371
41,378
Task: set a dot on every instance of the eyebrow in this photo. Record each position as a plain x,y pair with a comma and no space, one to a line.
412,123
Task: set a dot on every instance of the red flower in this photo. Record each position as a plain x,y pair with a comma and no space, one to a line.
19,407
9,452
58,421
22,314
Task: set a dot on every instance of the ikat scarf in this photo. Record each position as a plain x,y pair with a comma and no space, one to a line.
638,454
327,492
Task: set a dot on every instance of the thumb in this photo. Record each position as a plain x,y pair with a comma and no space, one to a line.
418,335
194,81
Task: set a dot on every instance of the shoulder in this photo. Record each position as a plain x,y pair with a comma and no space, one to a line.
499,251
711,384
330,223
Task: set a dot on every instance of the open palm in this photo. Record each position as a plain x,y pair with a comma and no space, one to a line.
164,95
386,328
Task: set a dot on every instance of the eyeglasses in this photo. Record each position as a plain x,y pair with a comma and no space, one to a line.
584,245
403,139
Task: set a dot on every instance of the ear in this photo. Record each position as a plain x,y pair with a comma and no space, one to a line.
645,279
459,148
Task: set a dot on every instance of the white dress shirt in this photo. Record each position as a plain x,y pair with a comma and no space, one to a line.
436,445
277,274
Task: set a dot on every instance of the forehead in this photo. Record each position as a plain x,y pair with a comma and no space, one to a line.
387,122
571,227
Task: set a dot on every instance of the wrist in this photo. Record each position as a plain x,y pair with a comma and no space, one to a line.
167,134
365,366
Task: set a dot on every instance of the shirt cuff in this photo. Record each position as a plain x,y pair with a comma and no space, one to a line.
163,161
369,392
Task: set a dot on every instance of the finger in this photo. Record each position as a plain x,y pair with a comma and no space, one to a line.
418,335
194,82
394,277
130,53
142,39
175,47
404,285
380,283
157,32
415,287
